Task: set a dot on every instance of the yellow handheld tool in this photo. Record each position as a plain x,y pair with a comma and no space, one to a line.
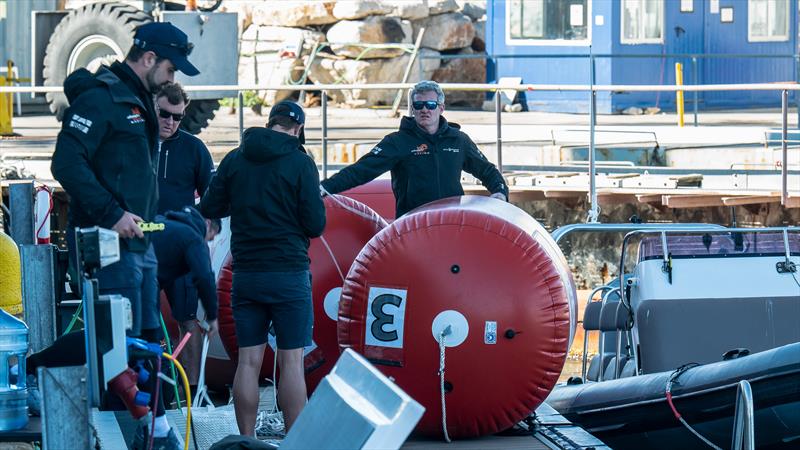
149,227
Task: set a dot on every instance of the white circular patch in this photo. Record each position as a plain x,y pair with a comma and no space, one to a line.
331,303
459,328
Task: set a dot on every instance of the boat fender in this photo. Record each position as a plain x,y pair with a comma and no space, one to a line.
505,318
735,354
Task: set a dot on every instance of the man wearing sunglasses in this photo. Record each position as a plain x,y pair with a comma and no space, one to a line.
426,157
106,160
184,171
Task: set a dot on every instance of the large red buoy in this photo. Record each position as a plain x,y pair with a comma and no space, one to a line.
490,278
350,224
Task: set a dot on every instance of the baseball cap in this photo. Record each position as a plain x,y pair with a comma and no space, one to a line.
167,41
293,111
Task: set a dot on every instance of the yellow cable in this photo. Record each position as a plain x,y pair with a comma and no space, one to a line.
188,398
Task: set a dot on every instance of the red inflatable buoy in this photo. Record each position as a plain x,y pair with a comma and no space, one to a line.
492,280
350,224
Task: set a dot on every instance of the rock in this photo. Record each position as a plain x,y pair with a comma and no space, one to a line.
442,6
273,55
411,10
350,10
475,10
372,30
266,39
463,70
293,13
388,70
633,111
479,41
446,31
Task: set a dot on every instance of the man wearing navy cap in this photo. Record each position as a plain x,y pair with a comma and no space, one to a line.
106,160
269,187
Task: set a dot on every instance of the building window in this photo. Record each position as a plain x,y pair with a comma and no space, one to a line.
642,22
547,21
767,20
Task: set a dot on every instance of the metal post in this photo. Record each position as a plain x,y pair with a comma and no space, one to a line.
743,422
679,94
784,148
20,198
324,105
695,94
594,212
498,108
592,79
241,116
65,410
39,294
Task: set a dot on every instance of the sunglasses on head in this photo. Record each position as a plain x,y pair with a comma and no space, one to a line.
429,104
177,117
185,49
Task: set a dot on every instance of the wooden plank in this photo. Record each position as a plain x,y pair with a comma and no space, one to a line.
650,198
750,200
793,202
526,195
563,194
692,201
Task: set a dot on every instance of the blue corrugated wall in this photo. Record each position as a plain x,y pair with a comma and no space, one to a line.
697,32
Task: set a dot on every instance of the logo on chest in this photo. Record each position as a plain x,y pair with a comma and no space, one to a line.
135,116
421,149
451,150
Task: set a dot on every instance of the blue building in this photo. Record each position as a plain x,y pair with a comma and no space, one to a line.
548,42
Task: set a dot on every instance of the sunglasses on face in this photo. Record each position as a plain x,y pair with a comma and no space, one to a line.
429,104
164,114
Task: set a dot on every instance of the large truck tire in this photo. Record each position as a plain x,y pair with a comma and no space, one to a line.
87,37
198,114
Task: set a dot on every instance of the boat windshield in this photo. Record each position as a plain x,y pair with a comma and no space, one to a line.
737,244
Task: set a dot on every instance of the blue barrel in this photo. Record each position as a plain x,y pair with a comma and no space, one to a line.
13,391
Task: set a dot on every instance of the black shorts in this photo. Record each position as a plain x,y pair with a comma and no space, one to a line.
182,297
278,299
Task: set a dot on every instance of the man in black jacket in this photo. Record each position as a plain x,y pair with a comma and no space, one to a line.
426,157
105,159
182,252
270,188
184,171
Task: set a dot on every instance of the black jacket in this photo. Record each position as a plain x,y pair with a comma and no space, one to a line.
424,167
269,187
181,249
184,166
105,153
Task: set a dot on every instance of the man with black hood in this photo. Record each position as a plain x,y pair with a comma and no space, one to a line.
426,157
106,160
269,187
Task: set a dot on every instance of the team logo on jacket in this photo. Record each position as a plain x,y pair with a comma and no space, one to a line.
81,123
451,150
421,149
135,116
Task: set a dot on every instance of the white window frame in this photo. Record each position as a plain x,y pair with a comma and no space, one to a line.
623,40
784,38
550,42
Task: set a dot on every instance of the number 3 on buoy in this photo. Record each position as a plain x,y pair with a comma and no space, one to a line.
386,310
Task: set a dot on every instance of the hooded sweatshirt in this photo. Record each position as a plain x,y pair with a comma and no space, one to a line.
181,249
425,167
269,187
105,156
184,167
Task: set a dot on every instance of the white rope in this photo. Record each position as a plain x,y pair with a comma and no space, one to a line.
269,424
202,390
442,334
333,258
335,198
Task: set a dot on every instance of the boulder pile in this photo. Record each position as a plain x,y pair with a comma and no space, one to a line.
362,41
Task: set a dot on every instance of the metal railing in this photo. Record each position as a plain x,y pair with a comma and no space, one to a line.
744,428
592,89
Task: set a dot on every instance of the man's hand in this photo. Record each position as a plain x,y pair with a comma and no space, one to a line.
322,191
500,196
128,226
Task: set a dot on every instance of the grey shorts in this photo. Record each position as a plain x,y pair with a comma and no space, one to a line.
281,300
134,277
